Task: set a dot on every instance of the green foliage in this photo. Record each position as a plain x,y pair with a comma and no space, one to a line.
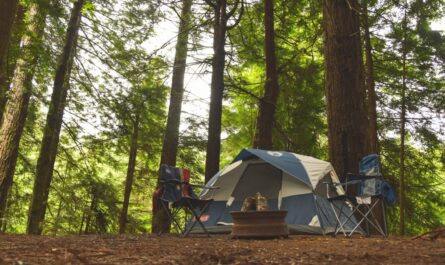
425,93
299,125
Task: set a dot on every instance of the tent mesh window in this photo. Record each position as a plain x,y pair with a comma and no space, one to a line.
258,177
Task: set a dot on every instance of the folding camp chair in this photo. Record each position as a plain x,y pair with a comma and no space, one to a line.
362,193
177,195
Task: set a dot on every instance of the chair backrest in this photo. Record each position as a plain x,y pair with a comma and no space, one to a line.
370,165
371,187
370,180
176,183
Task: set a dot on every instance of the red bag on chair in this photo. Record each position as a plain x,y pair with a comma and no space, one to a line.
185,177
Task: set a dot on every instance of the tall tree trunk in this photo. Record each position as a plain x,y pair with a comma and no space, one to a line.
370,86
16,110
266,115
170,146
7,14
50,142
403,131
372,147
15,43
91,211
56,226
344,85
171,138
217,90
130,174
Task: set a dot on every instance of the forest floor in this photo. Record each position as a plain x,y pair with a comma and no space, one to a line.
218,249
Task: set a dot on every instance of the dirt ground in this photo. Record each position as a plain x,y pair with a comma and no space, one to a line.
218,249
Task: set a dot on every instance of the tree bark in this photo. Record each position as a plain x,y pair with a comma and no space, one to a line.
54,119
170,146
130,174
373,146
7,14
171,138
16,110
18,24
91,211
217,90
266,115
344,85
402,195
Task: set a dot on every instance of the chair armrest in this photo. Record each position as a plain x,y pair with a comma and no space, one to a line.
170,181
203,187
362,177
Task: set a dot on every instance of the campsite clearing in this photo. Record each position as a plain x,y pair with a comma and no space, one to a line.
218,249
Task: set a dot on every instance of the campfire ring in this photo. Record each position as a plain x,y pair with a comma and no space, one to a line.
259,224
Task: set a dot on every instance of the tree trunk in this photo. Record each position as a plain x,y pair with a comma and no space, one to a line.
266,115
344,85
90,211
170,145
130,174
50,142
403,131
373,146
217,91
18,23
7,14
16,110
56,226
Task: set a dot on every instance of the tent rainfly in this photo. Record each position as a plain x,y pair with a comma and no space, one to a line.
289,181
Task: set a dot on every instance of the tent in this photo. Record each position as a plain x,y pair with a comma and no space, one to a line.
289,181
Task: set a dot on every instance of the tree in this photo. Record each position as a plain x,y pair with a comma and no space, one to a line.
130,173
402,196
344,85
170,144
7,14
370,85
50,142
13,52
299,122
407,65
266,115
220,27
17,106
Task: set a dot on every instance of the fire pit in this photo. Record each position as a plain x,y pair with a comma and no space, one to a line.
259,224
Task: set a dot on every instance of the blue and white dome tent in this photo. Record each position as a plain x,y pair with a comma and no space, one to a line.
289,181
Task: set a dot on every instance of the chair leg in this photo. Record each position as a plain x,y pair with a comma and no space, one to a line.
197,219
385,228
374,222
339,226
171,217
365,217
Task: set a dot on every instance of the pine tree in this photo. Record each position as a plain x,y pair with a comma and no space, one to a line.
266,115
7,14
171,138
50,142
130,173
220,27
344,85
17,106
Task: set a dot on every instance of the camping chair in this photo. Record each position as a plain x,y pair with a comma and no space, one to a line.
362,193
177,194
